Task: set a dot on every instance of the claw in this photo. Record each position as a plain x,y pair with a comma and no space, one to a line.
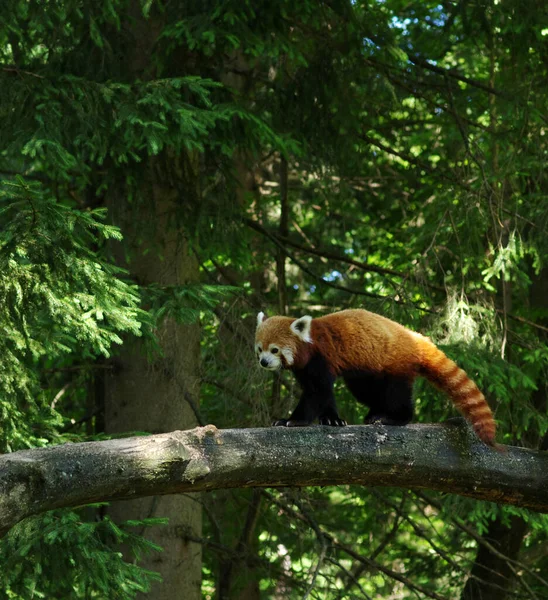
332,422
291,423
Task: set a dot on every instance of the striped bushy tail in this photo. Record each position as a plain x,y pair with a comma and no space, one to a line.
466,395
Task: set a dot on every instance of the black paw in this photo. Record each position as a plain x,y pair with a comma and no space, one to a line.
332,421
290,423
294,423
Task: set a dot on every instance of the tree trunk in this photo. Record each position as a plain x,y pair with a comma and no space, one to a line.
158,395
493,572
490,569
234,565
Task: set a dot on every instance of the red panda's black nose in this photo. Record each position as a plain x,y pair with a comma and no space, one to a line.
264,362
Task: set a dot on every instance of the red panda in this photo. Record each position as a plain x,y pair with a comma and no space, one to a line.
378,359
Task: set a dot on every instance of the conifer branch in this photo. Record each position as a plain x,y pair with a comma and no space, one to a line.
425,64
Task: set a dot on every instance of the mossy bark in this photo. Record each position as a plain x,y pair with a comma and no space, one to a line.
440,457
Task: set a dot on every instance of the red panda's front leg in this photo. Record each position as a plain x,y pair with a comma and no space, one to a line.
317,400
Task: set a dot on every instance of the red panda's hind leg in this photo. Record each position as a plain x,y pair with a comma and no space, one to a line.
389,398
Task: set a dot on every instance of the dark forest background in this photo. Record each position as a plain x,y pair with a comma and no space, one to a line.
171,168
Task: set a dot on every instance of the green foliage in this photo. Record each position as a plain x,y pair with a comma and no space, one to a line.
123,123
37,554
184,304
415,137
58,296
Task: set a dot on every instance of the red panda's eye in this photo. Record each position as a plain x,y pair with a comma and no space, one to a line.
274,351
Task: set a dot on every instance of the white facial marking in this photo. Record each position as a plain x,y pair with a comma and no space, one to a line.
270,359
301,328
288,355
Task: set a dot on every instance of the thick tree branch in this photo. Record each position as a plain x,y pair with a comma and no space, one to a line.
448,458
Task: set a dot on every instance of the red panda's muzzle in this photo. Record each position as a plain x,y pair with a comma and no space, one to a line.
269,362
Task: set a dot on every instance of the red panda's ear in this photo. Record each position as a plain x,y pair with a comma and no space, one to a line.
301,328
260,318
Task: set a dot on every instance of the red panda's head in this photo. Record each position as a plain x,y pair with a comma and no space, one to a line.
278,340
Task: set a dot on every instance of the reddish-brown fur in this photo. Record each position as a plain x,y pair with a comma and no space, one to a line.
358,340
